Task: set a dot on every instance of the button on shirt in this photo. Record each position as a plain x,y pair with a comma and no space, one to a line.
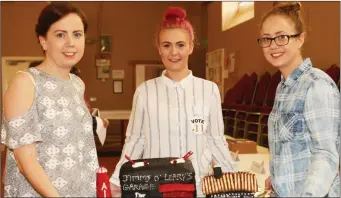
304,135
169,119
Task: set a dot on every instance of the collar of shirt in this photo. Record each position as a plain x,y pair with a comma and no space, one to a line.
171,83
297,73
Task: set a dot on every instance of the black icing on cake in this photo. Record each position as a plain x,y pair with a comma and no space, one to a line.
144,181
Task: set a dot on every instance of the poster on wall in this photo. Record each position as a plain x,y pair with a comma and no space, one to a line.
215,69
230,62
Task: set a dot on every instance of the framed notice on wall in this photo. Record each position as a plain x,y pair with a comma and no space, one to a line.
117,86
215,69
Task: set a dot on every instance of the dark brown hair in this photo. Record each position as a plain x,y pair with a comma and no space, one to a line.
53,13
34,64
76,71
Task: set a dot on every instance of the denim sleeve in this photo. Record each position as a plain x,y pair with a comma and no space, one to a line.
322,115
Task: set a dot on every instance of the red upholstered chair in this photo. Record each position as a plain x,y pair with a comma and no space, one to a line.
251,118
334,72
232,97
266,110
241,109
253,111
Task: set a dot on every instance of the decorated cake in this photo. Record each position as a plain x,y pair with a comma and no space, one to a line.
233,184
158,177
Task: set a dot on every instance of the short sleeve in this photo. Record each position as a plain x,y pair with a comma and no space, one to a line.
22,130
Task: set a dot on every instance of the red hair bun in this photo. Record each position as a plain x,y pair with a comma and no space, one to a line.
173,13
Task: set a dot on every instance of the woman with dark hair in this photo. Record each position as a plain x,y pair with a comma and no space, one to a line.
47,126
34,64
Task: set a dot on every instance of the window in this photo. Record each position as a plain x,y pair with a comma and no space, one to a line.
235,13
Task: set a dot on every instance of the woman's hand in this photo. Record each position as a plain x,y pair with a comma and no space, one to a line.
268,185
115,190
105,122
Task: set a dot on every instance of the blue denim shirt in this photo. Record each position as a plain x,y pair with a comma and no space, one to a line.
304,135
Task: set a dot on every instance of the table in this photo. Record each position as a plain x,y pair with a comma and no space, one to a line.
115,114
245,164
246,160
121,115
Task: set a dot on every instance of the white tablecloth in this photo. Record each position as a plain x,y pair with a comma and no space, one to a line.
246,161
245,164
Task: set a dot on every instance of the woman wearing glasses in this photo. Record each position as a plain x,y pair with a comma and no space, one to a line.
304,131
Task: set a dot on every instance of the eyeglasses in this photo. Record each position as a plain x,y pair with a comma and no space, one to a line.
280,40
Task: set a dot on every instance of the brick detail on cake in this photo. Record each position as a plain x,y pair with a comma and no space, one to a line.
233,182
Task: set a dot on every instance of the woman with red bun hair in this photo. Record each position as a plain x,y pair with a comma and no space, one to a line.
176,112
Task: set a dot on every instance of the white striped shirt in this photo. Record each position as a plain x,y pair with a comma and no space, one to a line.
162,124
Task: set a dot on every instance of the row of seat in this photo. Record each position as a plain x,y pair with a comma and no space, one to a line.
246,107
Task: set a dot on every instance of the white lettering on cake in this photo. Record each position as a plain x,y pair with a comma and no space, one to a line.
190,176
135,187
178,177
130,178
137,195
220,195
125,178
136,178
104,187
